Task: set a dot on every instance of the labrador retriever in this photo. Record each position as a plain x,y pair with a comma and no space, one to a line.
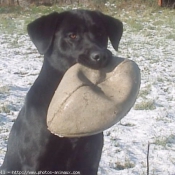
64,39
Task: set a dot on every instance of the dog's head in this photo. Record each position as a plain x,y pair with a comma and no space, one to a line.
76,36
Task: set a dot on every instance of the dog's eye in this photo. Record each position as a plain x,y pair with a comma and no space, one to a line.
72,36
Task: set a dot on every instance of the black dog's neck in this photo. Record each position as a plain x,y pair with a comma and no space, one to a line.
45,85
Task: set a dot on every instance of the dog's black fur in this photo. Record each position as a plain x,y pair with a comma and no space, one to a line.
65,39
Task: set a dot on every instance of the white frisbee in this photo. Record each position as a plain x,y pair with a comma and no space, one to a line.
89,101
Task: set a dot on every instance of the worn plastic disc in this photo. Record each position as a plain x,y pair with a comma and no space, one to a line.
89,101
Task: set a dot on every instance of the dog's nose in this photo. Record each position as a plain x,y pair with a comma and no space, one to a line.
96,56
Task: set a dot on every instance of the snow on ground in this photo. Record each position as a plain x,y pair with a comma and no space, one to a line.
151,120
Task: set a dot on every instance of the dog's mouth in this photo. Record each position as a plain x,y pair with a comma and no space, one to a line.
95,60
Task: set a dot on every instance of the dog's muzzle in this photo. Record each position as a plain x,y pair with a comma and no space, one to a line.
96,59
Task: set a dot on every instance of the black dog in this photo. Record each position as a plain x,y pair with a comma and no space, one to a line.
64,39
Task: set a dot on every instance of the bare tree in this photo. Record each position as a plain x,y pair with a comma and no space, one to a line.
26,3
9,2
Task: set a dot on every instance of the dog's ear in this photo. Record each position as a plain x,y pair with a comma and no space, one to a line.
41,31
114,29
